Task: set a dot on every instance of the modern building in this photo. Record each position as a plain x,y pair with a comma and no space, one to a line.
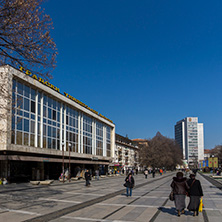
189,134
126,154
43,131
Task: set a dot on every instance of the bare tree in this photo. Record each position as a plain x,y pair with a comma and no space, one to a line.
25,36
160,152
217,151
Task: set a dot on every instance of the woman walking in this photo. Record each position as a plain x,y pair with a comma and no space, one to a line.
180,188
129,184
195,193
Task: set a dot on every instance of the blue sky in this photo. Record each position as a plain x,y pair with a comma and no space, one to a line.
143,64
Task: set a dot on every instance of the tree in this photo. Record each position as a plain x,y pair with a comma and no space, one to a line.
217,151
160,152
25,36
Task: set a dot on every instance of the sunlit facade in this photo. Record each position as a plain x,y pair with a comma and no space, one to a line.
126,154
189,135
42,125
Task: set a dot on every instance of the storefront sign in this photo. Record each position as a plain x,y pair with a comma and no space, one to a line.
27,72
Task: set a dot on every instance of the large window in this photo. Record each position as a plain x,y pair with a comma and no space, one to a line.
108,141
51,123
72,129
25,107
23,114
99,138
87,134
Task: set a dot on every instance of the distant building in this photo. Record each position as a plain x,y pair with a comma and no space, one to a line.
189,134
207,153
141,141
126,154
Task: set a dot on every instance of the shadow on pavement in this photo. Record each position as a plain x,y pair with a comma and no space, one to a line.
173,211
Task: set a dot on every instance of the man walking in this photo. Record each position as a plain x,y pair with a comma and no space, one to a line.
153,172
146,173
87,178
97,174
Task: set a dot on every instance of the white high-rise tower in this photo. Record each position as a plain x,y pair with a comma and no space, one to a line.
190,136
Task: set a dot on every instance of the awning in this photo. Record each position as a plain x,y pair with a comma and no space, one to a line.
44,159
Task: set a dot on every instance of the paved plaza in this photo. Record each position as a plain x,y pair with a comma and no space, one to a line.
104,200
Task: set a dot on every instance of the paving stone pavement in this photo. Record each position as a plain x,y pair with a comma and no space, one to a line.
57,202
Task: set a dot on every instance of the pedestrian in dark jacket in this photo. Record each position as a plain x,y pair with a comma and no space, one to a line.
129,181
153,172
87,177
180,189
195,193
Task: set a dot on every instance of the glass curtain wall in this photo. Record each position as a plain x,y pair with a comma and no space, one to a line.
53,119
23,114
51,123
72,129
87,134
99,138
108,141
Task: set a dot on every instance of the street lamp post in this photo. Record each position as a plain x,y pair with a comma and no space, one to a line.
63,144
70,145
213,163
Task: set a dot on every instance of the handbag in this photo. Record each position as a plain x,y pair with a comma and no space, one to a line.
124,185
201,205
171,196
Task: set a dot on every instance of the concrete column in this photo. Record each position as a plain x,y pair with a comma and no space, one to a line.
5,169
36,119
41,170
64,128
60,136
79,132
41,122
112,145
94,137
104,141
5,107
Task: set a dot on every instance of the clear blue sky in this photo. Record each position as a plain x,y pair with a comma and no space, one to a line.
143,64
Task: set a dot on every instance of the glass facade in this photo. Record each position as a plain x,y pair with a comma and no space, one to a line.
23,114
99,138
108,141
72,129
192,140
38,120
87,134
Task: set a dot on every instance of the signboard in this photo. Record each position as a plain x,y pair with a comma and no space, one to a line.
44,82
213,162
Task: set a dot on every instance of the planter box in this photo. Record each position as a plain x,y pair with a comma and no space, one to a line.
35,182
46,182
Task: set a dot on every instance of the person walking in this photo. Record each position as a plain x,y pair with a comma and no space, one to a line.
195,194
180,188
146,173
87,177
97,174
153,172
129,183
